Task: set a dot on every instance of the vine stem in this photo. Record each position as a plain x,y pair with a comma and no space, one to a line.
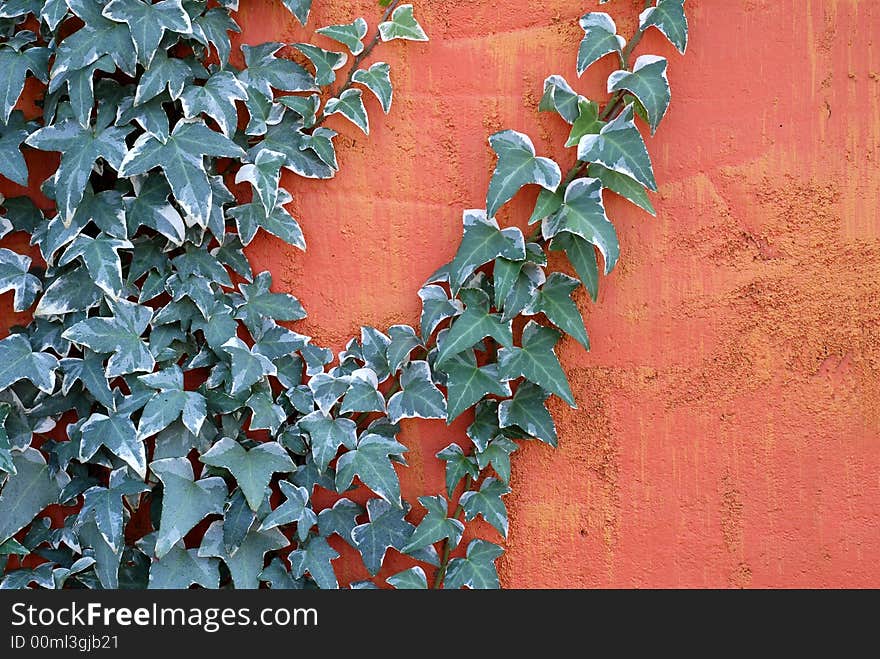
447,546
360,58
624,63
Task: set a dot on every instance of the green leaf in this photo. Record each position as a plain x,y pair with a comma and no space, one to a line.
148,23
600,38
326,62
436,307
527,410
246,564
327,435
467,383
101,257
474,325
315,557
553,299
362,394
560,97
13,133
181,159
435,526
378,80
18,361
264,71
80,85
536,361
650,85
118,434
107,560
151,208
623,185
251,469
248,367
583,214
386,529
477,569
120,335
80,149
620,148
412,579
419,397
99,36
287,137
294,509
264,174
482,242
403,341
582,256
215,98
6,462
517,166
27,492
350,105
669,17
71,291
212,28
15,64
104,506
340,519
497,453
487,502
258,302
350,35
185,501
238,519
171,402
458,465
180,568
90,372
402,26
299,8
371,462
14,276
587,122
305,106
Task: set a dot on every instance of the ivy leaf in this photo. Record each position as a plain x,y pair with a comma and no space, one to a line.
14,276
649,83
28,491
586,123
180,568
216,98
13,133
477,569
436,307
327,435
362,394
583,214
467,383
340,519
6,462
80,149
213,27
315,557
80,85
181,159
299,8
264,71
287,137
119,334
246,564
497,453
90,372
402,26
474,325
623,185
517,166
482,242
559,97
248,367
99,36
263,174
351,106
371,462
667,16
101,258
151,208
386,529
419,396
251,469
294,509
15,64
350,35
487,502
327,390
324,61
458,465
259,302
18,361
620,148
148,23
536,361
553,299
403,341
435,526
170,402
600,38
71,291
185,501
107,560
118,434
104,505
412,579
582,256
527,410
378,80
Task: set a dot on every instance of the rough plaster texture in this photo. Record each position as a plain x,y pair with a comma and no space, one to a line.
728,422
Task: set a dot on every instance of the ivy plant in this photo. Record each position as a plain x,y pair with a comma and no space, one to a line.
162,424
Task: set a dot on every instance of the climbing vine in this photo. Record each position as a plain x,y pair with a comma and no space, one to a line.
160,425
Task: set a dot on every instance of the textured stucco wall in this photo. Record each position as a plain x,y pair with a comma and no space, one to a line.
728,430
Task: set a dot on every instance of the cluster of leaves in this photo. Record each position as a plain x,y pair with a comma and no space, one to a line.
155,354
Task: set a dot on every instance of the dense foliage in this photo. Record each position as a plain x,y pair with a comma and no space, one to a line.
159,409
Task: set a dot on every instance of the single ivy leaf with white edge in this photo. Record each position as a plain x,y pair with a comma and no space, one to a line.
402,25
649,83
517,166
669,17
600,38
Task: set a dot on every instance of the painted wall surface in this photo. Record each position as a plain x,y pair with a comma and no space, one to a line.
728,422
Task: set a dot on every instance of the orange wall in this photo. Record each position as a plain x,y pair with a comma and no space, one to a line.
728,430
